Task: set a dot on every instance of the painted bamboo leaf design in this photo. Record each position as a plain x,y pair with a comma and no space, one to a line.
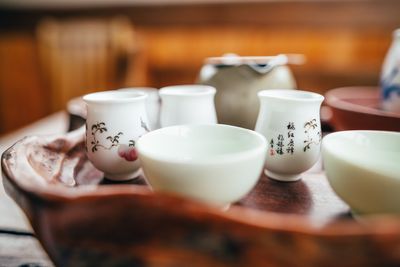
308,127
131,143
144,125
312,124
128,152
101,128
114,139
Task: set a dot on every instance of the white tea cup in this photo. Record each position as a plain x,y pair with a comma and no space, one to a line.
290,121
187,104
115,120
152,104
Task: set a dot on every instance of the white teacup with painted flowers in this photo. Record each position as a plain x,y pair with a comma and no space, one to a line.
115,120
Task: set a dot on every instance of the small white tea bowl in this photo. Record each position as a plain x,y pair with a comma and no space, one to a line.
214,163
363,168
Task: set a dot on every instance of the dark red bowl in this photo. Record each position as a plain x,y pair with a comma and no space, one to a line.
358,108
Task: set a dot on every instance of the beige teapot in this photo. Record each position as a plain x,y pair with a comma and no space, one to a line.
239,79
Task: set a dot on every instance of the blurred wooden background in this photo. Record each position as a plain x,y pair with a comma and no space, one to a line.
344,42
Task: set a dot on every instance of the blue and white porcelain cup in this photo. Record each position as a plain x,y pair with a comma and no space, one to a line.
390,76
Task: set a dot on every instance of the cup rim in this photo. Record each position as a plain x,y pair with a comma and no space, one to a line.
291,95
187,90
260,146
114,96
396,33
329,144
137,89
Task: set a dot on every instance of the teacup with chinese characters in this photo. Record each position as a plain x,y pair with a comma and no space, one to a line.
115,120
290,121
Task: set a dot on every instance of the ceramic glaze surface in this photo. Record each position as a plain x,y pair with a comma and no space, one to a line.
290,121
186,104
218,164
115,120
363,168
152,104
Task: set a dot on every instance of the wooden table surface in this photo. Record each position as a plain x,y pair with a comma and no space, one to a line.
18,245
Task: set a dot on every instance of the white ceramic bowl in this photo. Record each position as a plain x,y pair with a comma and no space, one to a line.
363,167
215,163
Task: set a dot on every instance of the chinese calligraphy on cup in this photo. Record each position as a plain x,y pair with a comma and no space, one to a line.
290,121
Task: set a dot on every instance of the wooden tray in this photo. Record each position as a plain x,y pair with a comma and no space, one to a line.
83,220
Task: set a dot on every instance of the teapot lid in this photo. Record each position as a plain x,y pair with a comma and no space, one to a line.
234,59
261,64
